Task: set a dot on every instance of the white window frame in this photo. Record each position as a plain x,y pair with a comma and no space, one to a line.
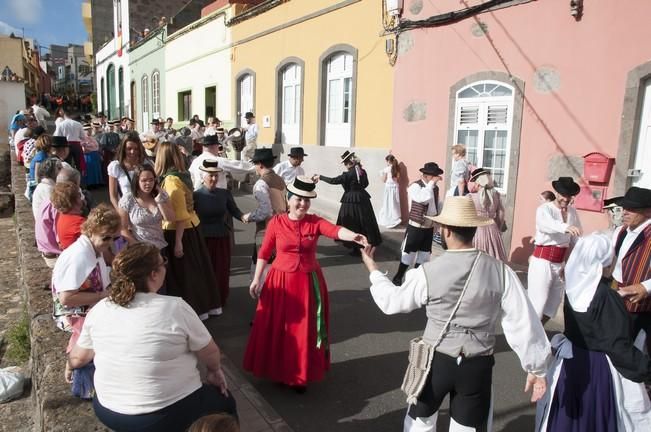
245,95
155,95
481,102
337,123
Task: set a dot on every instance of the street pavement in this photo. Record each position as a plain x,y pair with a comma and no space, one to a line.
368,350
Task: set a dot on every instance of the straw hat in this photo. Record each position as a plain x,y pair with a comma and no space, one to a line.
460,212
210,166
302,186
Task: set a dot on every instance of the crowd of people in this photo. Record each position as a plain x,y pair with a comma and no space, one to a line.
130,266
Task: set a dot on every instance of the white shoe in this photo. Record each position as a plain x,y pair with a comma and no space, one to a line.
203,316
215,312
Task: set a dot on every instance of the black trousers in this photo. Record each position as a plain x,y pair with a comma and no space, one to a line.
174,418
468,384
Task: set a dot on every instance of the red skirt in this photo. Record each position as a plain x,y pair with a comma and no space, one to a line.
219,249
289,339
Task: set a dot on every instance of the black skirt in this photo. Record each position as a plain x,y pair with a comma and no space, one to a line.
356,213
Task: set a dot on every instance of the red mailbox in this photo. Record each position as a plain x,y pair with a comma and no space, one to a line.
590,198
597,167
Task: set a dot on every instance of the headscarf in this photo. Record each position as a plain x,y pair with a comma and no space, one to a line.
584,269
485,190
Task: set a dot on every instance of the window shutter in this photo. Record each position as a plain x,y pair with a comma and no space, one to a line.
497,114
469,115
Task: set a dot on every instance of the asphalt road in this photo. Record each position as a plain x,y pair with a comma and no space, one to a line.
369,351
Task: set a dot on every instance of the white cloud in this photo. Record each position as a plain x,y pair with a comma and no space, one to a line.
7,29
27,11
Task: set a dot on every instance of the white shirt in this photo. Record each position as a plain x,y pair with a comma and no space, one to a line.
41,114
623,250
264,210
144,355
18,137
288,171
237,169
70,129
550,228
520,323
41,195
389,179
424,195
251,134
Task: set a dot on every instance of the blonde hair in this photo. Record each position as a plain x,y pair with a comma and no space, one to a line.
102,219
168,157
130,270
43,143
65,195
459,149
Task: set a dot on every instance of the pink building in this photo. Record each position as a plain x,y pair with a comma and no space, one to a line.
529,88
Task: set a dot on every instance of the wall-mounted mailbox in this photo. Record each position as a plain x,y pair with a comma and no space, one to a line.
590,198
597,167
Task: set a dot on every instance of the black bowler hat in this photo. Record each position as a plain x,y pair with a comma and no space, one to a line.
478,172
59,142
262,154
347,155
635,198
155,121
249,115
210,166
431,168
209,140
296,152
566,186
302,186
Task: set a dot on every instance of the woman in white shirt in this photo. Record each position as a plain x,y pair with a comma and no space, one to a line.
390,215
145,348
130,155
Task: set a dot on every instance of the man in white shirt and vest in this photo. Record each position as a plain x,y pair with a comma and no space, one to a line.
251,136
557,228
423,201
466,294
291,168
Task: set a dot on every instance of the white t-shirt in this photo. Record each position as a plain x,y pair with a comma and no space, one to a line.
144,356
124,181
41,195
288,171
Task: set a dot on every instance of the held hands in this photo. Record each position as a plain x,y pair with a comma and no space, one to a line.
635,293
246,218
361,240
255,288
368,254
315,178
573,231
539,386
218,379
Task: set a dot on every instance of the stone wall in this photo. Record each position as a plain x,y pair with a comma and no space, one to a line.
56,410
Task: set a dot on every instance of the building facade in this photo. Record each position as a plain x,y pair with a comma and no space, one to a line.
508,83
147,70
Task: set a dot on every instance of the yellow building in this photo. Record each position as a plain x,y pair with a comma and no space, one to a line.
315,73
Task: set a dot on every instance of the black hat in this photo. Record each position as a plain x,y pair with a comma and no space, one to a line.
249,115
38,131
219,130
478,172
86,126
347,155
431,168
154,121
634,198
262,154
210,166
296,152
612,202
59,141
210,140
566,186
302,186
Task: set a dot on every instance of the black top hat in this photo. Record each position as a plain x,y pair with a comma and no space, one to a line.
478,172
347,155
59,141
302,186
296,152
634,198
566,186
262,154
209,140
431,168
210,166
249,115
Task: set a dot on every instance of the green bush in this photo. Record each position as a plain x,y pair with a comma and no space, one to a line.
18,342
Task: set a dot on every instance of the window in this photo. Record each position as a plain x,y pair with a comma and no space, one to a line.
339,99
245,96
483,121
121,92
145,94
155,95
103,96
185,105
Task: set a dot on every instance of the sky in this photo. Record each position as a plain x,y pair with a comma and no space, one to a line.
47,21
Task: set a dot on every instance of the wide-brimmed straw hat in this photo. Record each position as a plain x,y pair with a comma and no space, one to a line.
460,212
210,166
302,186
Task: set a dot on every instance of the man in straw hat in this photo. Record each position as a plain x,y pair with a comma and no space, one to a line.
632,264
211,150
423,201
466,293
557,228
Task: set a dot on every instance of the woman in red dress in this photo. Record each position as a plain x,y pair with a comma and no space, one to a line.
289,341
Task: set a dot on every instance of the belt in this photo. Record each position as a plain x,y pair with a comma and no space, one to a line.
555,254
50,255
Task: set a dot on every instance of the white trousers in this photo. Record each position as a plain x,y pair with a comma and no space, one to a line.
419,257
544,286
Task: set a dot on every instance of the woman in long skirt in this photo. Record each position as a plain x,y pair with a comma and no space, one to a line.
190,274
488,204
596,382
390,216
289,341
356,211
93,174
